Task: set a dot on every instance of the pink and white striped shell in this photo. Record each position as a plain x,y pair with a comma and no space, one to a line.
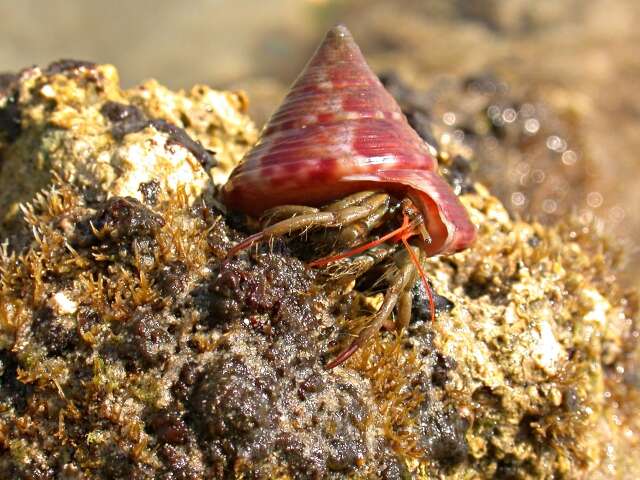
337,132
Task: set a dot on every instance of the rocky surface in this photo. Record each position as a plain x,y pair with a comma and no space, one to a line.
73,120
129,348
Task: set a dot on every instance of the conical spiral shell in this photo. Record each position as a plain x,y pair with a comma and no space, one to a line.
338,131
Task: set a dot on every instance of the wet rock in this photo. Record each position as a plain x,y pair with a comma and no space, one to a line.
13,392
9,109
394,469
8,82
170,427
67,66
458,174
570,400
162,358
508,468
443,366
123,115
128,119
421,308
87,319
147,343
443,434
485,83
119,219
72,103
422,124
172,279
257,293
188,378
53,332
178,136
232,406
150,191
179,464
117,463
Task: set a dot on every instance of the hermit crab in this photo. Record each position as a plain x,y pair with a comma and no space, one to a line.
339,154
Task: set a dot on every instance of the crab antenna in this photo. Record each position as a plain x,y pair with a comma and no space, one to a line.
423,277
246,243
344,355
398,232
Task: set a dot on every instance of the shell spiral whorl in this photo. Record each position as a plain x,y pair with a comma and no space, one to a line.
338,131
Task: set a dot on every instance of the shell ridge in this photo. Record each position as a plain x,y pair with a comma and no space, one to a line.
339,131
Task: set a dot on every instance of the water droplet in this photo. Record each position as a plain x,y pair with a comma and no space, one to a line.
569,157
556,143
518,199
509,115
531,126
594,199
449,118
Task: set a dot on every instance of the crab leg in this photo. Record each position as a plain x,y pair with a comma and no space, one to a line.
402,279
337,218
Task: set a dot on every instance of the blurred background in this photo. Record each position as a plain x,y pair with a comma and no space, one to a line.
545,94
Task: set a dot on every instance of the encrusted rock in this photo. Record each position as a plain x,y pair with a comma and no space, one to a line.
129,348
73,120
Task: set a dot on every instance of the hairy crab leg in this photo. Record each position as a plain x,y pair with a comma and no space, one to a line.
359,264
277,214
348,214
349,234
404,310
423,277
353,199
391,298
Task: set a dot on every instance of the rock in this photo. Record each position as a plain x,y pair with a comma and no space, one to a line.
74,119
129,348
